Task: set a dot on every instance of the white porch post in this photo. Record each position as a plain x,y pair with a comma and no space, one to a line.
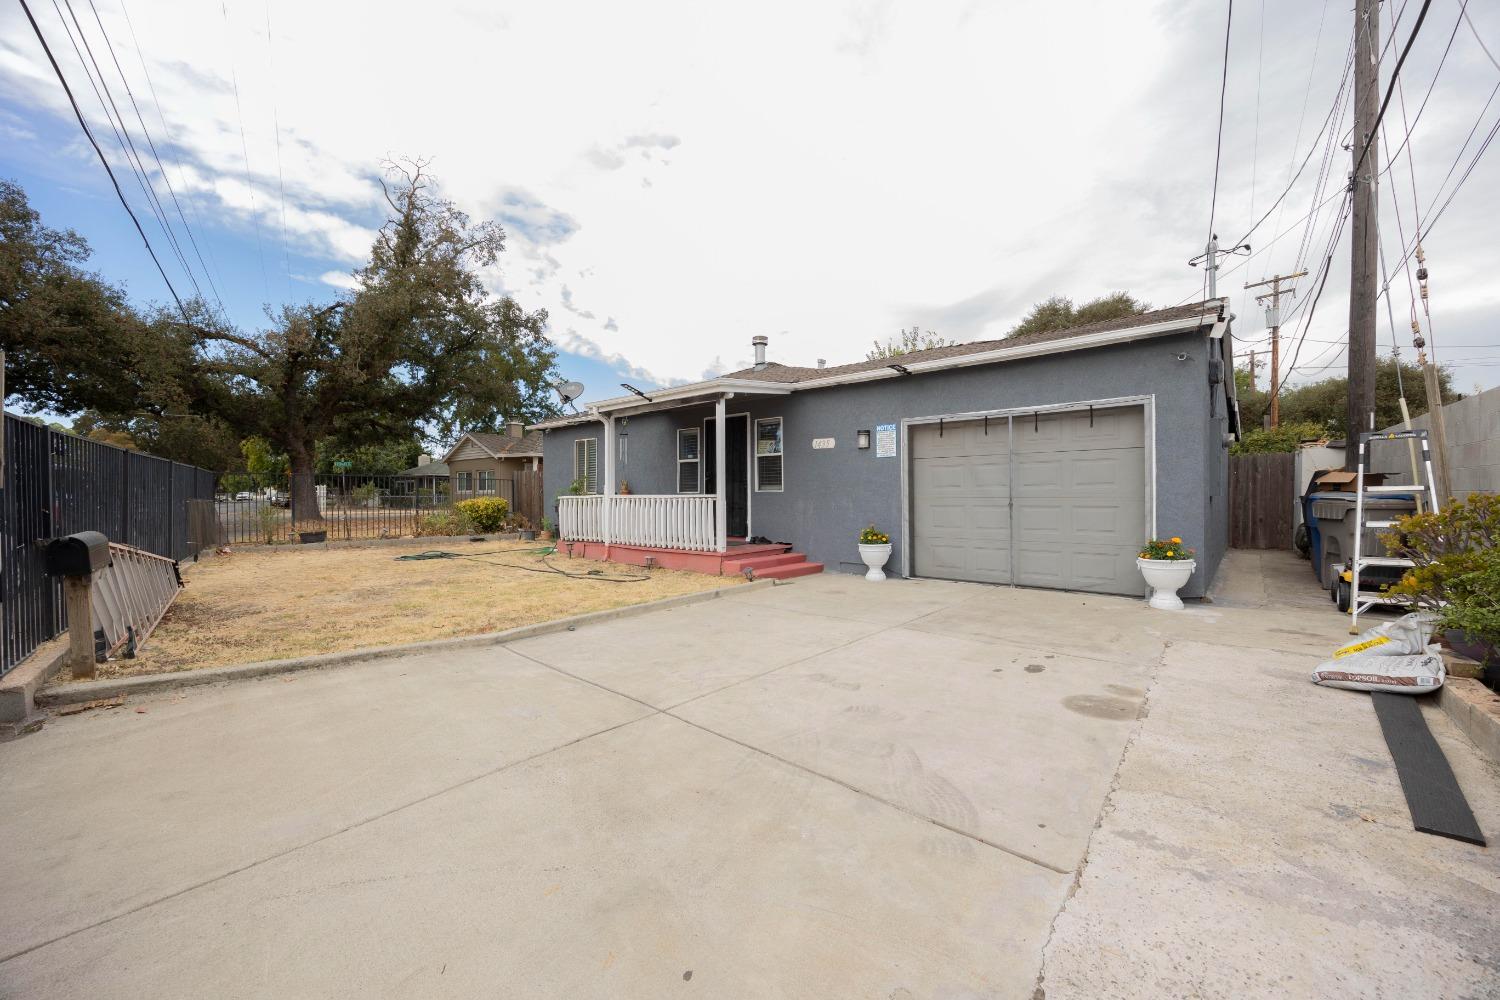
609,480
721,511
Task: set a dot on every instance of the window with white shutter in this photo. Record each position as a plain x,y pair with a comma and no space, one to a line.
586,463
689,459
768,455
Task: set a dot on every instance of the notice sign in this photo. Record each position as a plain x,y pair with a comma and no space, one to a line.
885,441
820,444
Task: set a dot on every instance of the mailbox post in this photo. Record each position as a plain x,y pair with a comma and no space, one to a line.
76,558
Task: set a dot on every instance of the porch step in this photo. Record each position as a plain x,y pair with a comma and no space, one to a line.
763,561
786,571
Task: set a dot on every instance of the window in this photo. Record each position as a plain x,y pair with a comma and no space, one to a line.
768,459
688,460
465,482
487,482
586,463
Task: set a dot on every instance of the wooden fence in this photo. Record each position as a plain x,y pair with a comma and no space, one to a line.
1261,495
528,497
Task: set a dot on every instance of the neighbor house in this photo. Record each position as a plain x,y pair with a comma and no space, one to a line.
481,464
428,478
1044,459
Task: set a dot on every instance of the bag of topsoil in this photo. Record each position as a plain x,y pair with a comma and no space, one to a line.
1396,674
1406,636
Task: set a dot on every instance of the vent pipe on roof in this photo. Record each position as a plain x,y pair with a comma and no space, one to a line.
759,342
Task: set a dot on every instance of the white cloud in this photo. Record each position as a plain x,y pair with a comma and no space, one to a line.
832,171
338,279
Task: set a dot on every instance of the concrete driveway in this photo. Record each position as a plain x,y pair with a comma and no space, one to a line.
825,789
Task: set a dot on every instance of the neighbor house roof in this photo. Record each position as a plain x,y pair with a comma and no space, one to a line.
528,445
776,378
431,469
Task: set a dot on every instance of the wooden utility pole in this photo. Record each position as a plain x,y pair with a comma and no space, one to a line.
1273,320
1364,248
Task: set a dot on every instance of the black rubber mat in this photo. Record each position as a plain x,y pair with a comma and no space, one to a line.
1436,802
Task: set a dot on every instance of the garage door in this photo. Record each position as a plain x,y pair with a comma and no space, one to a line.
1055,499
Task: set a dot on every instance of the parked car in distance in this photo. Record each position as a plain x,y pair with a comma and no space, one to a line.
243,495
280,499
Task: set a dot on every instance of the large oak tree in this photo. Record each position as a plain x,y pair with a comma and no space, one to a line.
418,343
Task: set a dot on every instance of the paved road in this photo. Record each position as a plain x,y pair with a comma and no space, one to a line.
827,789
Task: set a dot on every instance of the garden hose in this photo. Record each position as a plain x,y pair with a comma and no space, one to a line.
596,575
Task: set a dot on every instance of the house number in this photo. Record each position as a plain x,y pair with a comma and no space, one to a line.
822,443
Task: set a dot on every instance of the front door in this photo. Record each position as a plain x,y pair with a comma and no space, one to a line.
737,469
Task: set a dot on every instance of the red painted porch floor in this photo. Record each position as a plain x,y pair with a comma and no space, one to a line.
775,561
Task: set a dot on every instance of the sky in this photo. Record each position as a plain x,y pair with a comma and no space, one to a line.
675,177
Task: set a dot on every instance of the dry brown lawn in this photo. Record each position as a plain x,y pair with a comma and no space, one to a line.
267,604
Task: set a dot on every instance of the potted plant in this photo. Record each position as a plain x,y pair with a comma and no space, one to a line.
1166,565
875,550
524,529
546,534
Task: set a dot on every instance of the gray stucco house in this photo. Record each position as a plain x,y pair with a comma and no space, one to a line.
1040,460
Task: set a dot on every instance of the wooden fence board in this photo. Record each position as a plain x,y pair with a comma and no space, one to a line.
528,497
1261,495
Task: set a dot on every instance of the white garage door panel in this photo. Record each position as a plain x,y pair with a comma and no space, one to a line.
1078,496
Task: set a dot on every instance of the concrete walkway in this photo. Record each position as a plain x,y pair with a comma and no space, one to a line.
827,789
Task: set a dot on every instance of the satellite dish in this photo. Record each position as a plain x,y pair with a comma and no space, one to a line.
568,392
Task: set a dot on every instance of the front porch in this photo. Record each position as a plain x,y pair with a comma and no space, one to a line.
702,527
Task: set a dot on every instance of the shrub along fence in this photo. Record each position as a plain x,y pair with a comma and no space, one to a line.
56,484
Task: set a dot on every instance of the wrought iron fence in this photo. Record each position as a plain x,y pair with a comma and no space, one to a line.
250,508
56,484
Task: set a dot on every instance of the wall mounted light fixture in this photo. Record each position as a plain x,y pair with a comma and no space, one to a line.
862,439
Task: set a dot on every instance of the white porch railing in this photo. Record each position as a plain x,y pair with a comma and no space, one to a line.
667,521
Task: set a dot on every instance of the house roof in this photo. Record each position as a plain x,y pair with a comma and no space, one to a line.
502,445
781,379
431,469
789,374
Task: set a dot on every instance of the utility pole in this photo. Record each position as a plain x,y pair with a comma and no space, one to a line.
1273,320
1436,423
1364,249
1252,370
1212,265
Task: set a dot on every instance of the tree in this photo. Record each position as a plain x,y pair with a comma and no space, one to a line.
906,342
1284,437
417,343
1059,313
381,458
1255,403
1323,402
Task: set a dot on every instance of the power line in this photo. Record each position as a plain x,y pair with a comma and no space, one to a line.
245,149
211,268
1475,31
286,259
1210,266
1333,243
102,159
1390,88
151,144
116,122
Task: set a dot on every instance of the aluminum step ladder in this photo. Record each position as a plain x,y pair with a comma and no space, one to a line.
1362,601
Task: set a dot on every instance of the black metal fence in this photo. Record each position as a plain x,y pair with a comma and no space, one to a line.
56,484
252,508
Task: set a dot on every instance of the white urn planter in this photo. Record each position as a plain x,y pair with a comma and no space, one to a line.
1165,577
875,557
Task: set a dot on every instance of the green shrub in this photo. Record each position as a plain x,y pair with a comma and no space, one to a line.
485,513
1447,549
1287,437
1474,606
268,520
443,522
